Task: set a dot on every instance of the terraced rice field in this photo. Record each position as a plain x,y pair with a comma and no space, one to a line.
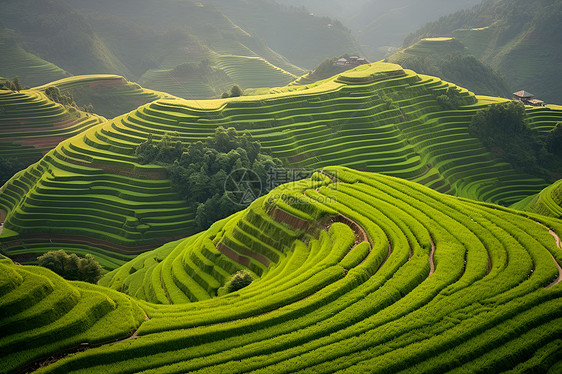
31,124
90,190
227,70
110,95
429,46
548,202
32,70
254,72
193,88
42,314
356,272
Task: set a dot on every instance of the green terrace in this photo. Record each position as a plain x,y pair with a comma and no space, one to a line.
45,314
16,61
548,202
254,71
378,117
224,71
353,272
110,95
31,124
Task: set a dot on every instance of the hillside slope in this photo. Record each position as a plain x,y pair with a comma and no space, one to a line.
161,45
548,202
41,314
448,59
181,47
91,190
380,26
109,95
31,124
361,272
16,61
301,37
54,31
519,39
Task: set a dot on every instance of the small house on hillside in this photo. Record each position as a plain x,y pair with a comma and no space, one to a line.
342,62
527,98
352,61
536,102
522,96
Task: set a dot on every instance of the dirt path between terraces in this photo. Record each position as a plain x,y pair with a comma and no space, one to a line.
431,257
557,280
557,239
558,245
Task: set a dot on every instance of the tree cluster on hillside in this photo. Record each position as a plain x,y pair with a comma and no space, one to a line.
451,99
235,91
459,67
198,172
554,140
67,100
504,130
239,280
71,266
11,84
328,68
462,69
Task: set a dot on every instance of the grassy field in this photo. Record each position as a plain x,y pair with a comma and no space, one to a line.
90,190
548,202
354,272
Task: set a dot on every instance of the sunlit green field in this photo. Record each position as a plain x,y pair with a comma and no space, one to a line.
353,272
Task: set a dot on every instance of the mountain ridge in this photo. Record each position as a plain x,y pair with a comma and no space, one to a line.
518,39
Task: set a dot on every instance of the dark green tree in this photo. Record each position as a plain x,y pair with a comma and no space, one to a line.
451,99
503,129
146,152
498,122
71,266
236,91
199,171
17,84
239,280
554,140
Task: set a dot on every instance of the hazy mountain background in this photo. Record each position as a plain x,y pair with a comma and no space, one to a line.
450,60
188,48
199,49
520,39
380,26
